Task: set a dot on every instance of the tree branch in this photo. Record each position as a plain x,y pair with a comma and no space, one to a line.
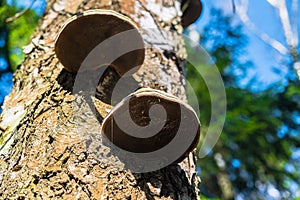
242,9
19,14
285,21
294,21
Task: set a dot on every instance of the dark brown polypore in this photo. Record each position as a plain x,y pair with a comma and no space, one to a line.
81,34
179,117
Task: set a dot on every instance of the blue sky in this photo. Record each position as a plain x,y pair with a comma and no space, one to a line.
264,57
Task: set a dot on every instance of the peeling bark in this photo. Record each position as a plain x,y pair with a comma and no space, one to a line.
49,146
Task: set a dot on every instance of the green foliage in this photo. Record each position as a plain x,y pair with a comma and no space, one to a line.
3,15
20,31
202,197
253,150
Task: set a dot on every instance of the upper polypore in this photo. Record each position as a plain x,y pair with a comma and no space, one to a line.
81,34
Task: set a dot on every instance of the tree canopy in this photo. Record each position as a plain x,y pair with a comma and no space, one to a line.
261,134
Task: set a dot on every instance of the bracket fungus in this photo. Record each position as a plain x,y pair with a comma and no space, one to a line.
150,120
83,33
191,10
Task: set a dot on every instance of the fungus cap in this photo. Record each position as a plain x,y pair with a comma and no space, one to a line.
179,120
81,34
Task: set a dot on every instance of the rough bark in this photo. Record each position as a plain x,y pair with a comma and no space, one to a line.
48,146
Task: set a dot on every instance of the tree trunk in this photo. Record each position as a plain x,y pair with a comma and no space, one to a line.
50,148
